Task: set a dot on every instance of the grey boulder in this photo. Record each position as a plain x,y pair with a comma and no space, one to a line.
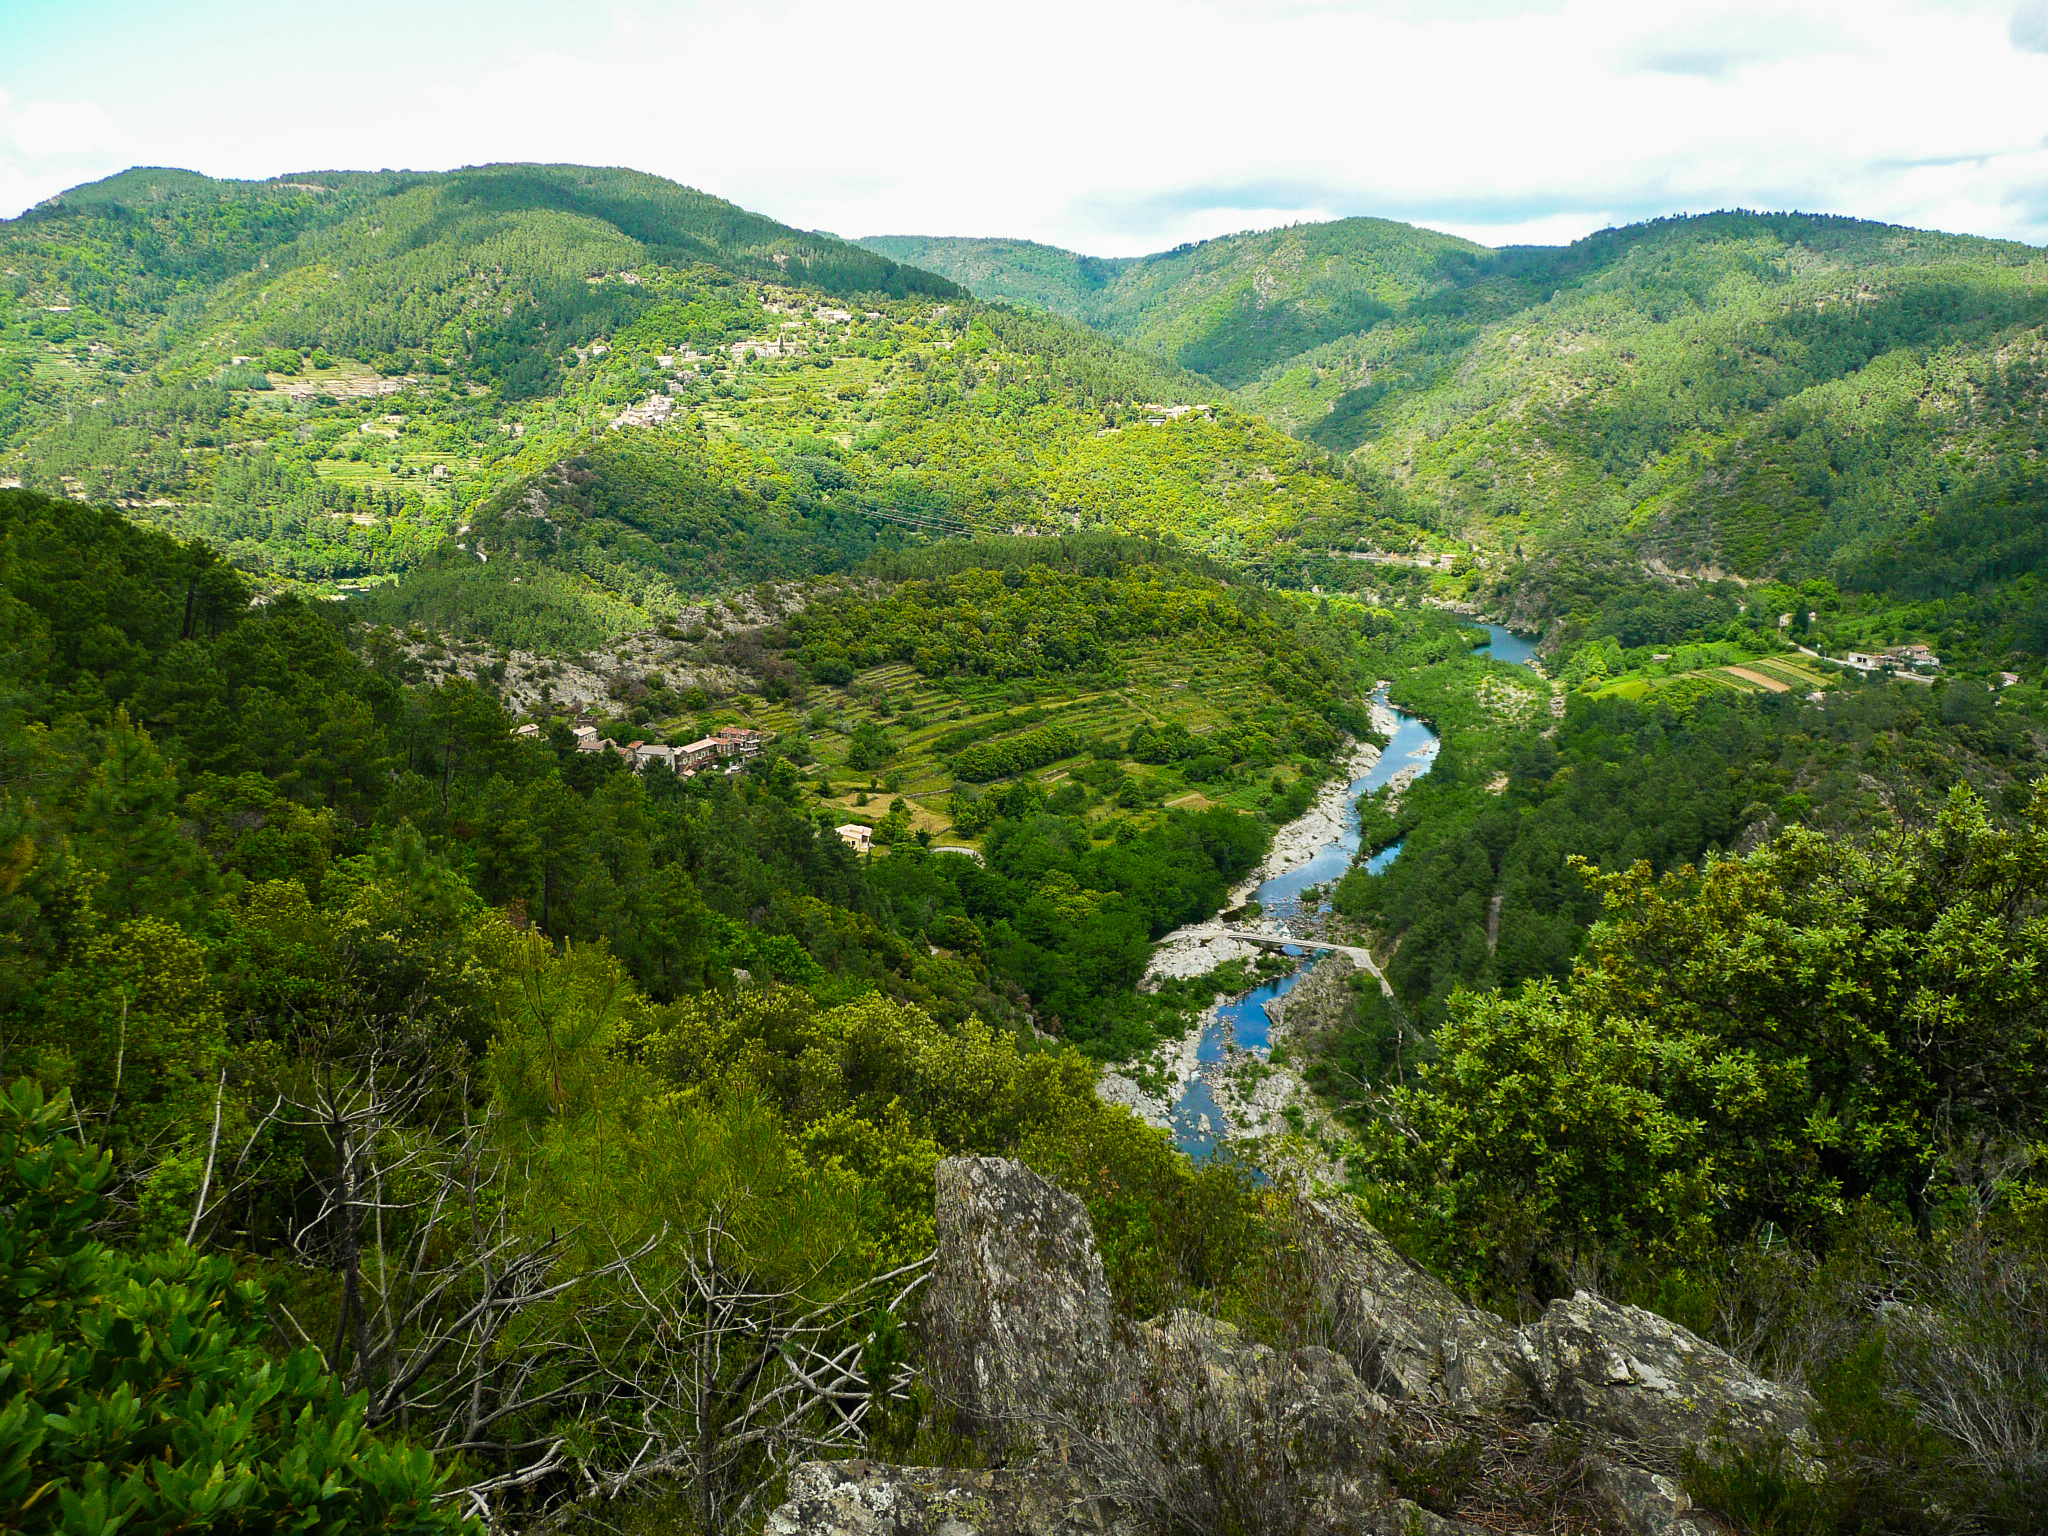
1643,1378
867,1498
1018,1319
1406,1333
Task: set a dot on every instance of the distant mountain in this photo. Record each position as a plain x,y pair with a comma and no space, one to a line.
342,377
1760,395
1011,271
1229,308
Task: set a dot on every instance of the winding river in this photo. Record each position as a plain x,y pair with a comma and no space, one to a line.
1197,1121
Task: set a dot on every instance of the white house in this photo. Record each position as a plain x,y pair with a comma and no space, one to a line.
857,837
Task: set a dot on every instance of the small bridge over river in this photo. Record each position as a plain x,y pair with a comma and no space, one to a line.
1359,956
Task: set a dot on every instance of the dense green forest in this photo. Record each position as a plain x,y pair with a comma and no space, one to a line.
280,926
423,1121
1749,394
1482,896
274,918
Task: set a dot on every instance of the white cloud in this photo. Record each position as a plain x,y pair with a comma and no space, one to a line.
1716,46
48,145
1119,126
2029,28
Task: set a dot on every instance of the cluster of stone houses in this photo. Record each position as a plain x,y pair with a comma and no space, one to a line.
729,748
1915,658
651,412
1159,415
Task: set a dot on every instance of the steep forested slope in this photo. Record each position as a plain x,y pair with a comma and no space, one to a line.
1761,394
1231,308
1741,394
650,391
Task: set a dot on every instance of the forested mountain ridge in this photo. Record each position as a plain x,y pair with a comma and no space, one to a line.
1230,308
336,378
1755,395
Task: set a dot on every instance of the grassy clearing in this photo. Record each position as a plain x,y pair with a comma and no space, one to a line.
1741,673
1201,688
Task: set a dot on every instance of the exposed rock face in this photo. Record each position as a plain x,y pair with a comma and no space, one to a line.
1635,1375
1649,1503
1406,1332
1308,1400
867,1498
1019,1328
1182,1419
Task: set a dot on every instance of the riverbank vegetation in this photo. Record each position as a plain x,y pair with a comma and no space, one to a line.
495,1127
1724,1002
430,1032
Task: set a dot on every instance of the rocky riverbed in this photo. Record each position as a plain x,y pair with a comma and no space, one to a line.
1219,1081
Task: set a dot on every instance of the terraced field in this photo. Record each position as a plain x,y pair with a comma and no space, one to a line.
1759,674
1200,688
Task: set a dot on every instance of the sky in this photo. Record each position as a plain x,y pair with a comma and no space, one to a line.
1114,127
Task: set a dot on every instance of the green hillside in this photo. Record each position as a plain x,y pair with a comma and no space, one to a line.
337,379
1011,271
1693,399
1229,308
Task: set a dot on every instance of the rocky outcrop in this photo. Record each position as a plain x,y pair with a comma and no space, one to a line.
1184,1421
1309,1401
1643,1378
1407,1333
1648,1503
866,1498
1018,1326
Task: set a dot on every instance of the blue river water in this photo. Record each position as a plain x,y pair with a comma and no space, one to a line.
1503,644
1198,1122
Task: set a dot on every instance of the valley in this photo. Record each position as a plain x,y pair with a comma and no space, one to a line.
1316,805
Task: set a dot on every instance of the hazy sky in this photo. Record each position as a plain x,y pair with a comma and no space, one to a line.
1112,126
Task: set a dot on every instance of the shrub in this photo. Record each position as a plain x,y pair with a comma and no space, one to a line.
1017,754
134,1394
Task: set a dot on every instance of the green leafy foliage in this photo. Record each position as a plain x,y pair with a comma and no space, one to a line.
1016,754
636,1009
137,1392
1767,1040
1481,895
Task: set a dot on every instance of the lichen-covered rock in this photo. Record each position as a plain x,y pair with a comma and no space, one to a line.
1646,1379
1404,1517
1406,1332
867,1498
1018,1331
1649,1503
1307,1402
